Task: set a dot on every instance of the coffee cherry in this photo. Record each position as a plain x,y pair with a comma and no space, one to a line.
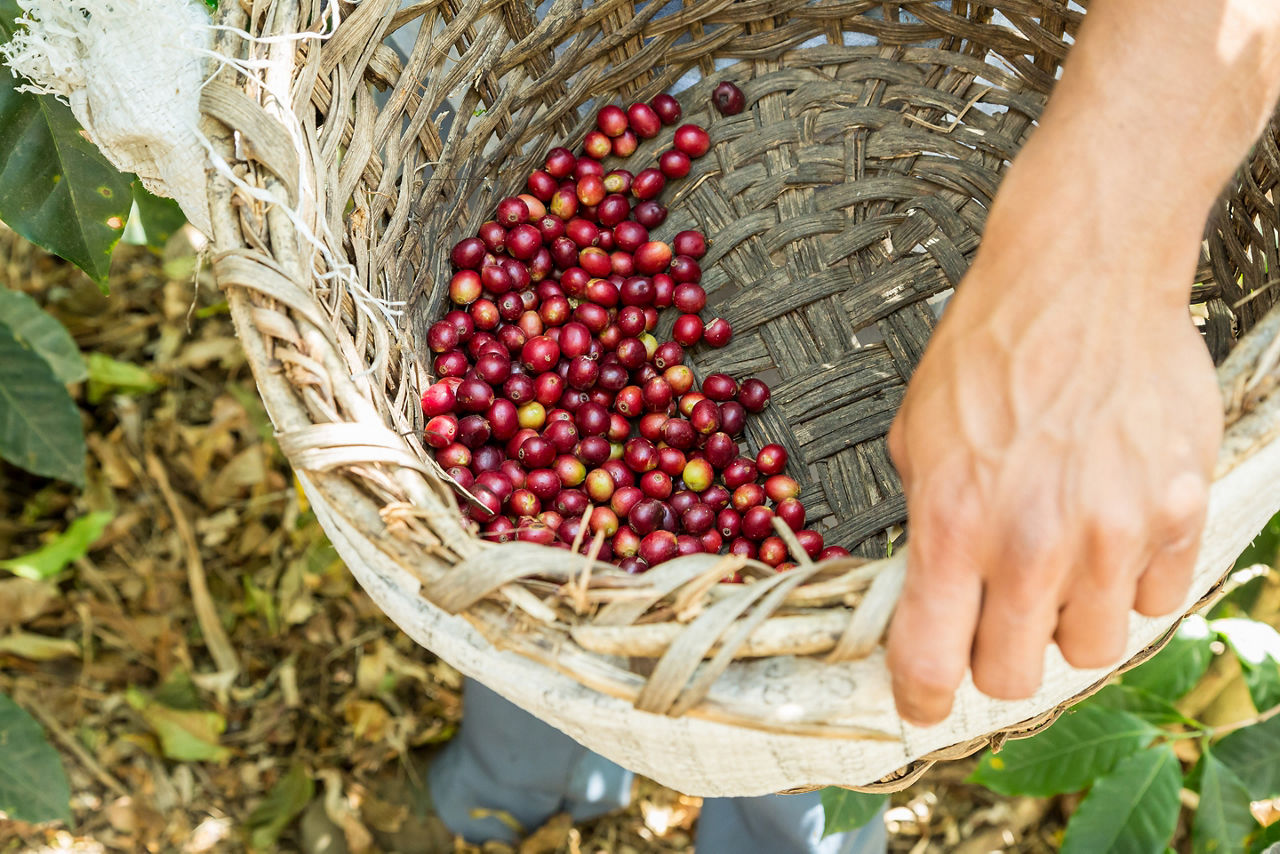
728,99
611,120
740,472
833,552
771,460
644,120
687,329
720,387
773,551
649,213
468,254
733,418
811,542
757,522
718,332
692,140
674,164
648,184
465,287
689,297
720,449
698,475
537,453
791,511
658,547
754,395
684,269
625,144
780,487
667,108
441,430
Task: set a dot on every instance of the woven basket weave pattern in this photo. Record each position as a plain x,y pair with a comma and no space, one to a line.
852,190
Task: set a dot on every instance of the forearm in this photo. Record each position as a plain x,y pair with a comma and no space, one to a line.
1158,103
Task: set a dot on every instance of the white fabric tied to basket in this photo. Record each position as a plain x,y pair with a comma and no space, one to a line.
132,71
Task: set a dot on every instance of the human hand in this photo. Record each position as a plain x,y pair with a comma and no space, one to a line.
1056,450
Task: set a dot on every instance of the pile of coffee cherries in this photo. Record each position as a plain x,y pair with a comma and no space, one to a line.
556,406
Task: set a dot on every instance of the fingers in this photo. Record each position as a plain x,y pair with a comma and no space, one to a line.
931,634
1093,626
1019,613
1163,586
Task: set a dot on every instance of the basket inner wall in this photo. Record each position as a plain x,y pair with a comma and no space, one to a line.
840,206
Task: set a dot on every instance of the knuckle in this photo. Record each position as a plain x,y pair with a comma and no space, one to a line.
1183,507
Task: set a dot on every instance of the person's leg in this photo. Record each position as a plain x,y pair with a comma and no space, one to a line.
779,824
504,759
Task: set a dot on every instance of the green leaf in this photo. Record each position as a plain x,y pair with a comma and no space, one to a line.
844,810
33,784
1135,701
185,735
41,332
152,219
1257,645
1252,754
1223,818
53,557
1264,840
287,798
1132,810
1175,669
56,188
1083,745
1265,547
40,427
107,375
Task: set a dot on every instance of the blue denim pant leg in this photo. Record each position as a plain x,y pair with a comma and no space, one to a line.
505,759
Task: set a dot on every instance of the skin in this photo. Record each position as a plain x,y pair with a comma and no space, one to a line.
1057,440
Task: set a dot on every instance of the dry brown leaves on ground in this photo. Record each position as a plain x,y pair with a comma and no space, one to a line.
210,674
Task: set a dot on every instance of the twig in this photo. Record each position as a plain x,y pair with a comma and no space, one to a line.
224,655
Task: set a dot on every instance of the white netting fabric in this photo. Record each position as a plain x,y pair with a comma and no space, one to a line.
132,71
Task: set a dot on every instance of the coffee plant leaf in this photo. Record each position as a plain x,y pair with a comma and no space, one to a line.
1175,669
39,330
56,188
844,810
1131,810
40,428
1223,819
33,783
1125,698
1252,754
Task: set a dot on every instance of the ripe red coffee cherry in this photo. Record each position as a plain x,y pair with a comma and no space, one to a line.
548,388
672,461
563,435
718,332
687,329
773,551
690,298
720,387
720,449
587,167
644,120
674,164
484,313
728,99
611,120
833,552
630,236
560,162
613,209
679,433
656,484
468,254
717,497
474,431
649,213
544,484
524,241
740,472
684,269
668,355
667,108
648,184
512,211
540,354
438,399
771,460
631,353
474,395
592,419
625,144
652,426
692,140
691,243
729,523
640,455
441,431
618,181
442,337
591,190
791,511
564,202
754,395
811,542
658,547
757,522
733,418
657,395
536,453
780,487
705,417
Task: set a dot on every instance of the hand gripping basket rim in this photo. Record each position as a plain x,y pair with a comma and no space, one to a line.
378,499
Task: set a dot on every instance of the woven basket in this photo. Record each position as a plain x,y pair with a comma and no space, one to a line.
852,190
